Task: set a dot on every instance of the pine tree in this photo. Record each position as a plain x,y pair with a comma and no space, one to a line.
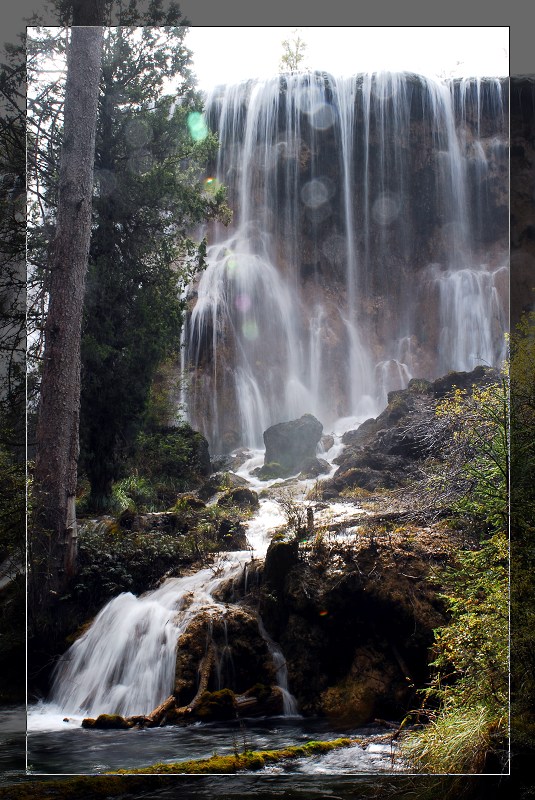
151,156
53,545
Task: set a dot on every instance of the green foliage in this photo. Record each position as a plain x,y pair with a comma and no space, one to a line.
471,677
216,705
478,453
12,559
13,294
523,535
179,453
293,54
112,561
473,648
458,741
470,684
134,493
150,193
12,508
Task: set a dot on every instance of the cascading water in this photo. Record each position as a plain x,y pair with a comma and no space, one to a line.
125,663
370,222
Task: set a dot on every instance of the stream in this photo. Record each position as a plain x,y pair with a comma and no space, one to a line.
111,669
75,750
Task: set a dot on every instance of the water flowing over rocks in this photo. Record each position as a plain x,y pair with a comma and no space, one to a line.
232,651
369,246
355,620
313,605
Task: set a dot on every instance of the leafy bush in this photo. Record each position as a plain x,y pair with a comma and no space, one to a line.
112,561
470,683
478,450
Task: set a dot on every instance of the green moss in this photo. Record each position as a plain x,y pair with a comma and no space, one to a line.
113,785
217,705
260,691
272,470
250,760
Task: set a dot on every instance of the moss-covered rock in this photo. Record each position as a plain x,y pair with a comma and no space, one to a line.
231,649
373,687
106,722
219,705
270,471
240,496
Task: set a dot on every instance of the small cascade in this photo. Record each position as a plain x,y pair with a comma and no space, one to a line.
125,662
472,317
281,671
224,661
350,197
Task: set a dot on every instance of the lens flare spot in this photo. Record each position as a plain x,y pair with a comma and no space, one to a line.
322,116
324,613
243,303
250,329
316,192
385,209
231,264
211,185
197,126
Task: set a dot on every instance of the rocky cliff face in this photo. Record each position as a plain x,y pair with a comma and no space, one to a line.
355,621
369,246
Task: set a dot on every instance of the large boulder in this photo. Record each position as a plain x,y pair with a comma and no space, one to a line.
225,646
290,446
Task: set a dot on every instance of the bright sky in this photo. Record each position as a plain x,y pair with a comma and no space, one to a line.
230,55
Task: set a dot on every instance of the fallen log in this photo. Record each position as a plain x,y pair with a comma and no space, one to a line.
155,717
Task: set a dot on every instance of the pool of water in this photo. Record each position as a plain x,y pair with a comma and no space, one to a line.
12,743
72,749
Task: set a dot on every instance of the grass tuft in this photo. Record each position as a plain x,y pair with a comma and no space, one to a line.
458,742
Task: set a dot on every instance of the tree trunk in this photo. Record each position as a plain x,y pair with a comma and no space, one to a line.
54,546
88,12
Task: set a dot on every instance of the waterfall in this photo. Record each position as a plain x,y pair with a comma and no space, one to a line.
369,212
125,662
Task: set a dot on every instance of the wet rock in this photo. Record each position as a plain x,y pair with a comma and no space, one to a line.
281,557
219,705
231,461
189,502
463,380
127,519
357,632
240,496
362,435
237,649
220,482
292,444
383,453
314,467
260,700
374,687
326,441
106,722
231,535
166,521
